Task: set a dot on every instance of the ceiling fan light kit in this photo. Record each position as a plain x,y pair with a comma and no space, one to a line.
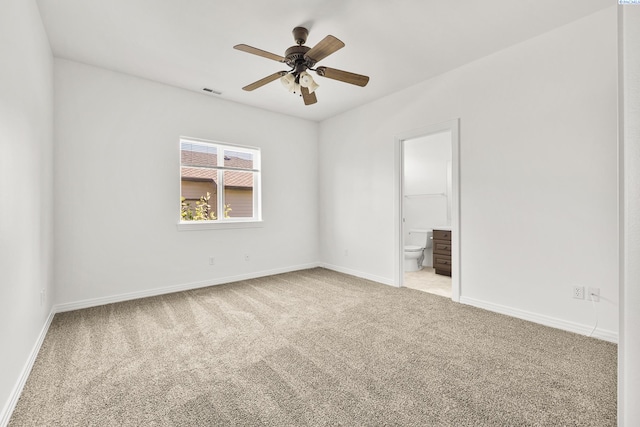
307,81
289,82
301,58
294,84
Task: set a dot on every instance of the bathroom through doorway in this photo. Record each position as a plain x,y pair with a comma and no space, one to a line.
429,231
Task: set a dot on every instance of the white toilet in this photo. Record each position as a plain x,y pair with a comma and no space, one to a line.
415,245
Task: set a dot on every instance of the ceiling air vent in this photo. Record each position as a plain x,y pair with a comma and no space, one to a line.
215,92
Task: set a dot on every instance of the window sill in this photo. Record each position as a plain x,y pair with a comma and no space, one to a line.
214,225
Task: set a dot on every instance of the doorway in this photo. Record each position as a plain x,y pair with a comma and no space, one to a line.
428,205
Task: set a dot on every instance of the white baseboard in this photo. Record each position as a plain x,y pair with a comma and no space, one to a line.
543,320
372,277
5,415
94,302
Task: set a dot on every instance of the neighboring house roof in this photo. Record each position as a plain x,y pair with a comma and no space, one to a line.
199,158
231,178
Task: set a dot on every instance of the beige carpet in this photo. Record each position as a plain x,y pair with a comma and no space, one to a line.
313,348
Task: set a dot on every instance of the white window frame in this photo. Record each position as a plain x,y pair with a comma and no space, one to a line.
221,222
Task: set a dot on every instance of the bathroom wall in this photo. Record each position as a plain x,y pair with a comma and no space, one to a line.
425,184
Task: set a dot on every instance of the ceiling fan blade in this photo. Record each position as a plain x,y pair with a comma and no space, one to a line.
326,47
308,98
264,81
343,76
259,52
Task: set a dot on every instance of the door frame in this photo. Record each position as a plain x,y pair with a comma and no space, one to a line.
454,127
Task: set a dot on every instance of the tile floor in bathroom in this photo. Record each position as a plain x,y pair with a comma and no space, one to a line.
428,281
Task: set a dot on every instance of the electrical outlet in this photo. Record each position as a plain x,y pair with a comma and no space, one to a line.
346,252
246,257
594,294
212,260
578,292
43,294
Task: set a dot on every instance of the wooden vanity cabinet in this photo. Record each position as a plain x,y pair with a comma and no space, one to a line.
442,252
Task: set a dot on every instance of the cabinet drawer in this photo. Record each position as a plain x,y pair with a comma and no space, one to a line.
442,235
442,247
442,262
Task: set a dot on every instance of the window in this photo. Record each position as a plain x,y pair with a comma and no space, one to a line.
219,183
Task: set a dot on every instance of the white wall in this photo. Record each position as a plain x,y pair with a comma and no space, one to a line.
26,207
538,176
425,180
117,188
629,349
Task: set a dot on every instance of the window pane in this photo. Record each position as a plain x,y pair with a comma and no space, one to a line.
238,194
238,159
198,155
198,197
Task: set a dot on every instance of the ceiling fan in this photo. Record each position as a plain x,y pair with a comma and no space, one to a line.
302,58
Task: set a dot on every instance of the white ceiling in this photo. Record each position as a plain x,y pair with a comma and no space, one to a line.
189,43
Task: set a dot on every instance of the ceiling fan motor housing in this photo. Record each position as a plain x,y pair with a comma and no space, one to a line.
294,57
